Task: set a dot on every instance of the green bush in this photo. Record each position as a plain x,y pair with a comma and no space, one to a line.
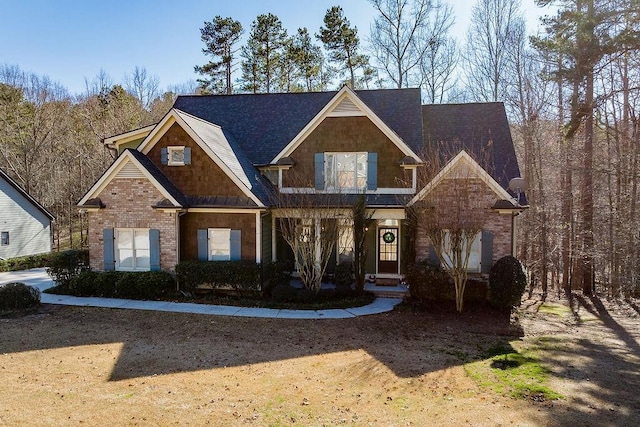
18,296
428,281
64,266
507,282
25,262
275,274
144,285
284,293
343,275
236,275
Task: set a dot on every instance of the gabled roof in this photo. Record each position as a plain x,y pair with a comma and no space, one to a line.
26,195
142,165
264,124
463,159
219,145
117,140
481,129
345,103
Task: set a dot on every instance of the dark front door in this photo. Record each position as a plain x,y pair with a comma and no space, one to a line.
388,250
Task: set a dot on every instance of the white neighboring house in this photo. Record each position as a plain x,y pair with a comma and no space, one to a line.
25,225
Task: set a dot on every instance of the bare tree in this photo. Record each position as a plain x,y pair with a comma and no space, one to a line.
403,32
496,25
144,86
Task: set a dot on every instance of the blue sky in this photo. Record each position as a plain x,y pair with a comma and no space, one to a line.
72,40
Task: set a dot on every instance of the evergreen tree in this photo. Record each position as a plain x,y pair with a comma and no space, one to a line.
219,35
307,59
262,54
342,42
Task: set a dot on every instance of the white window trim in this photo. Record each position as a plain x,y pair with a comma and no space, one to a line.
134,249
337,187
2,238
471,268
211,240
171,149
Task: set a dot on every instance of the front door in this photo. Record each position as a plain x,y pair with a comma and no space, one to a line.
388,250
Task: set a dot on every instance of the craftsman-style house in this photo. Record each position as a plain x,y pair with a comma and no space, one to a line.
197,185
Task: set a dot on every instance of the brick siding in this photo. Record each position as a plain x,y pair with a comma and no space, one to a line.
128,205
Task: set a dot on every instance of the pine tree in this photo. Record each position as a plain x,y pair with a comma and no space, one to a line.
219,35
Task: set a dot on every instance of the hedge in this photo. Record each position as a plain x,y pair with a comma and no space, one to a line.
235,275
25,262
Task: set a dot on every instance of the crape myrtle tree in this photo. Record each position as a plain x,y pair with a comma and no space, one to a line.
220,36
451,215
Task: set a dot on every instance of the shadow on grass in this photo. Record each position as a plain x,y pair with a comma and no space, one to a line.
408,343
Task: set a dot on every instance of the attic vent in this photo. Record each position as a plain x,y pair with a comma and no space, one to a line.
129,170
346,108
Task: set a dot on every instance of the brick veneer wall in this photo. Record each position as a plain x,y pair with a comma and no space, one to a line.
191,222
349,134
128,205
203,177
483,198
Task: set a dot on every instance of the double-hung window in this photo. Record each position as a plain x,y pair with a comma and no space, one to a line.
132,249
219,244
4,238
449,246
345,171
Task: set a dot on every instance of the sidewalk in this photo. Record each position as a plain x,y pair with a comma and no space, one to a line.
38,278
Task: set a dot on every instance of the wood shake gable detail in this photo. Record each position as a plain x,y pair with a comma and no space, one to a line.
205,134
345,104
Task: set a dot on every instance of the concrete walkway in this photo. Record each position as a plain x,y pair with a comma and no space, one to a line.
39,278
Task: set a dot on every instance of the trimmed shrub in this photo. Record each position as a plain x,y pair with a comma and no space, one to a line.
147,285
144,285
284,293
507,282
25,262
343,275
18,296
428,281
275,274
305,295
235,275
64,266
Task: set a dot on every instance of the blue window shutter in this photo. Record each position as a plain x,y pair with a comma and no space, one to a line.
372,171
187,155
154,249
108,252
486,260
203,244
163,156
319,165
236,245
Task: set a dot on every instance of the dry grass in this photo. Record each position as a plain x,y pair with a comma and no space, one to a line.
68,365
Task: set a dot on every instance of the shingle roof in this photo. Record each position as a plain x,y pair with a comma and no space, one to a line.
225,147
263,124
159,176
481,129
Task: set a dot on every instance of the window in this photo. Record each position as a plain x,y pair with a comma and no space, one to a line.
4,238
219,244
345,170
175,156
345,241
132,249
474,255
